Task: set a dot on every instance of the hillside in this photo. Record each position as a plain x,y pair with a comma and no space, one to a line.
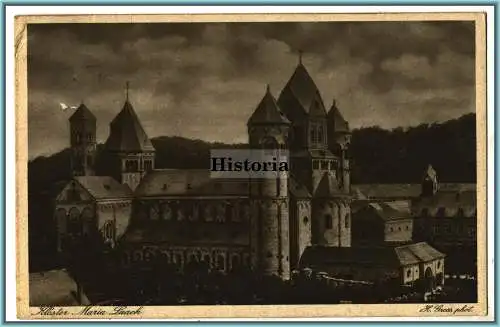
378,155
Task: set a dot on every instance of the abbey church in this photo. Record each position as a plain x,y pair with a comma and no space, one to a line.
271,226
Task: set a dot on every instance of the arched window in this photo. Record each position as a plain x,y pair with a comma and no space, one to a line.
74,223
328,222
178,260
148,255
441,212
313,135
305,220
109,230
87,221
61,220
193,258
137,256
347,219
320,134
166,211
165,256
206,259
221,265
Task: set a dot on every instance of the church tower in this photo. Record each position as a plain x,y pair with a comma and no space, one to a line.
331,211
301,102
430,184
339,141
131,154
269,232
83,141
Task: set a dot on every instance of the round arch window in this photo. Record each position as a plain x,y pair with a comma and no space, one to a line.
305,220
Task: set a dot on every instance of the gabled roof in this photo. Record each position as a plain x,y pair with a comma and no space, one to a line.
104,187
336,120
127,134
302,87
82,113
423,251
386,256
447,204
327,187
192,182
384,191
268,112
297,190
393,210
388,191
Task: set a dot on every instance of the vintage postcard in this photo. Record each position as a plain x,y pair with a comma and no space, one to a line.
251,166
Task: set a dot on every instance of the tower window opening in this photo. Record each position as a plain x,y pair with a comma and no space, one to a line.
320,134
131,165
313,135
315,164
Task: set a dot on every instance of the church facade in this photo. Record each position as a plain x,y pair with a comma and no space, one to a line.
182,216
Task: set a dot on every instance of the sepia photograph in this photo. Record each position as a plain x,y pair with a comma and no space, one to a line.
300,163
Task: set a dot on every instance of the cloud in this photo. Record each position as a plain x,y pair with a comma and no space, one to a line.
204,80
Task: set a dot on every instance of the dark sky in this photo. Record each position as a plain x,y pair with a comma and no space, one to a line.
203,80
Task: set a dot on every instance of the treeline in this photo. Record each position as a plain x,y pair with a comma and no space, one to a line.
401,155
378,155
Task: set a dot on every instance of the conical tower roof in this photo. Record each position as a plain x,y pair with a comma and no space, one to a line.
335,118
328,187
302,87
127,134
82,113
268,112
